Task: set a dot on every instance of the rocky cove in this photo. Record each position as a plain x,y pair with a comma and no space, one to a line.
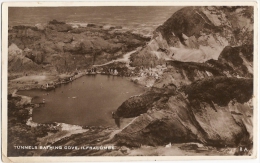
199,84
91,99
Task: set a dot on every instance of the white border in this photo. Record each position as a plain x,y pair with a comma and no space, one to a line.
118,158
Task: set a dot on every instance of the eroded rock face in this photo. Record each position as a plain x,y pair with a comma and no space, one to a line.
209,57
235,61
17,61
194,23
182,117
196,43
137,105
198,34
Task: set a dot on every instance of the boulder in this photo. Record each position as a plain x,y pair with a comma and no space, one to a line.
40,26
59,26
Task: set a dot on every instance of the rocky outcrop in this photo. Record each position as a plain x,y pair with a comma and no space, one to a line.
223,22
219,90
198,34
137,105
235,61
183,73
18,61
19,133
198,115
59,26
196,43
208,53
56,46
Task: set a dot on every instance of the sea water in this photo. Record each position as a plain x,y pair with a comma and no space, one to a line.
89,100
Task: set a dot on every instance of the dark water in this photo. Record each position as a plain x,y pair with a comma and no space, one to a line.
88,100
143,19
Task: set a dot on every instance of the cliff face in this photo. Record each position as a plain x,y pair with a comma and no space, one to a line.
203,32
208,52
207,40
200,34
196,21
214,112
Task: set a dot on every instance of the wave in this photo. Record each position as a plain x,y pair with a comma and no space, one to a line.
77,25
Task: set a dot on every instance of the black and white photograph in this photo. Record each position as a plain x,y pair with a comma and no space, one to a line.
130,80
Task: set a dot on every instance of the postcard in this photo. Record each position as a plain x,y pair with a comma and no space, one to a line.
125,81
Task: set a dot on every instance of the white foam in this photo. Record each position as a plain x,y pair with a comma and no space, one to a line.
31,123
76,25
66,127
107,26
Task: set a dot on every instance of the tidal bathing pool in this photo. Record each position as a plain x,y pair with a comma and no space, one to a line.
88,100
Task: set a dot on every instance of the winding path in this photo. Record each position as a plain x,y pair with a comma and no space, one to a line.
126,59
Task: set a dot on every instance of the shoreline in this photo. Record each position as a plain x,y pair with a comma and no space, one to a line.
70,78
49,132
56,132
104,26
28,99
53,129
125,59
